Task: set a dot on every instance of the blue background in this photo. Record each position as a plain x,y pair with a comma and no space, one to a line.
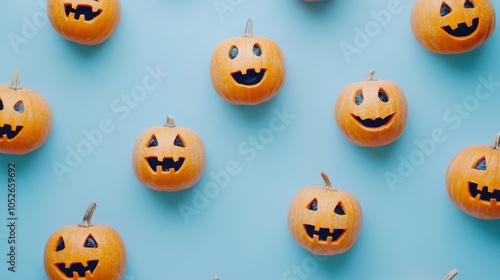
411,230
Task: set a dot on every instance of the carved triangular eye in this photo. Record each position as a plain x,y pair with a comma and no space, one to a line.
313,205
178,141
445,9
153,142
339,210
90,242
481,164
468,4
1,104
60,244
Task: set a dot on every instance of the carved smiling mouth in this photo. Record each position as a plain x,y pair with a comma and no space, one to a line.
166,164
80,10
323,233
374,123
7,131
250,78
462,30
78,268
484,194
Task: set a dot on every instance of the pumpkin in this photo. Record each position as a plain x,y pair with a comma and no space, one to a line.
169,158
25,118
452,26
371,113
247,70
85,251
87,22
473,180
324,220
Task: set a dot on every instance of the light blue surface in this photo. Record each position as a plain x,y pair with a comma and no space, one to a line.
410,230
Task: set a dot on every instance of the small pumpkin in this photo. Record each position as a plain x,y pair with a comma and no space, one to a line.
169,158
371,113
247,70
85,251
25,118
87,22
452,26
324,220
473,180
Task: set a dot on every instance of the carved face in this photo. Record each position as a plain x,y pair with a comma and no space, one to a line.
473,181
169,158
324,221
453,26
371,113
87,22
247,70
25,119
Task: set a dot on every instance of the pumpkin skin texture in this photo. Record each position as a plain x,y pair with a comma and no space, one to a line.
473,180
452,26
25,119
371,113
169,158
323,220
85,251
87,22
247,70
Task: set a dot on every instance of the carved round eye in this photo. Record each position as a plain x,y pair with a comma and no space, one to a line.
468,4
383,96
256,50
359,98
445,9
233,52
153,142
313,206
19,106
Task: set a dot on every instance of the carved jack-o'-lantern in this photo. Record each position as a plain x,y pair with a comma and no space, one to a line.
473,180
324,220
247,70
452,26
169,158
85,251
371,113
87,22
25,119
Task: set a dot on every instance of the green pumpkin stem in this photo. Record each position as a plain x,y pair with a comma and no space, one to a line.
248,29
371,74
15,81
87,218
450,275
496,144
328,185
170,121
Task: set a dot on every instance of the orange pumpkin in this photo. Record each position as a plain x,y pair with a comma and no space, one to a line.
85,251
371,113
169,158
473,180
324,220
25,119
247,70
87,22
452,26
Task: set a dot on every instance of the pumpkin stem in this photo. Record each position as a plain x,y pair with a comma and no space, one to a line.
216,278
170,121
248,29
371,74
15,81
450,275
496,144
328,185
87,218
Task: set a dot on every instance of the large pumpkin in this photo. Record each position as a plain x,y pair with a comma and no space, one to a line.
25,119
85,251
87,22
473,180
247,70
169,158
324,220
371,113
452,26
